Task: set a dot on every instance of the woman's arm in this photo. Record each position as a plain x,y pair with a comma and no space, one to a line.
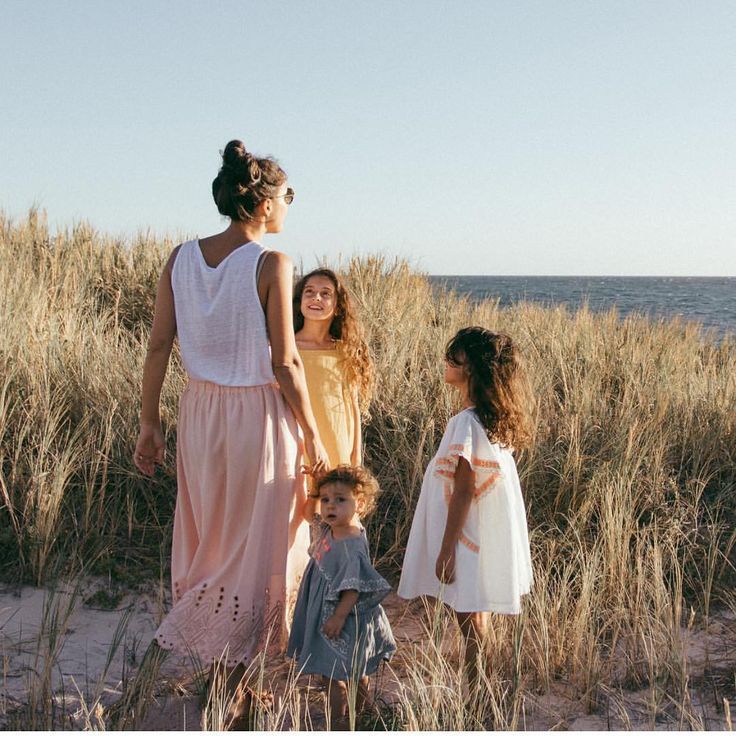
356,456
277,277
334,624
149,448
457,513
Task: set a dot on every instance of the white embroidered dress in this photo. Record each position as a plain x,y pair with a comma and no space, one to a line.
493,564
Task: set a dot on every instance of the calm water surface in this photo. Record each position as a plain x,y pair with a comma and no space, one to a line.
710,301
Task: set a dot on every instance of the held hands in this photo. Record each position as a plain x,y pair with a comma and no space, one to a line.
333,626
445,566
316,451
149,449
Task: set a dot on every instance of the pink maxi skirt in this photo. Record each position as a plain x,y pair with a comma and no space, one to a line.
240,546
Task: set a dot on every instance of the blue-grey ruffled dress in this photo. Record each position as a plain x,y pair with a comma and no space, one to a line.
366,639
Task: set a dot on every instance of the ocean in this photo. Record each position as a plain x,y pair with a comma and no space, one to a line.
710,301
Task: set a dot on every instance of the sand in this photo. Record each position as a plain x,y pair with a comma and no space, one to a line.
101,636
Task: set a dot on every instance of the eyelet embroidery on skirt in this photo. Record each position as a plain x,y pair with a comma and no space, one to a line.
211,624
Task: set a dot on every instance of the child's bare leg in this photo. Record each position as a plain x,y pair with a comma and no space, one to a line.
235,679
232,679
231,682
361,697
337,693
473,628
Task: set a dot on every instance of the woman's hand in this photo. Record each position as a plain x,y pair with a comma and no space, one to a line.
316,452
444,568
149,449
333,626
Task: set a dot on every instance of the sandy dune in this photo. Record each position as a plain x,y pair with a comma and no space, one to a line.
96,647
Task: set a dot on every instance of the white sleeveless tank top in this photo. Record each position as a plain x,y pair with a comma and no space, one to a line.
219,319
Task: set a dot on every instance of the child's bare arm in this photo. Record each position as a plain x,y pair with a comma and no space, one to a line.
309,507
457,513
334,624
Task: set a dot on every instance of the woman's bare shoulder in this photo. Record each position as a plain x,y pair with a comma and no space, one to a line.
276,263
172,257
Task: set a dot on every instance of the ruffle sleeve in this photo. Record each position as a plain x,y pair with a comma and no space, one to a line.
465,437
352,570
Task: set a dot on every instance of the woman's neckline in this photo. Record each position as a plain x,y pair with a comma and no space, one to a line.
331,349
234,250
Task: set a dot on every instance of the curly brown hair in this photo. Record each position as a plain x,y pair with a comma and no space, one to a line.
244,180
497,386
346,331
359,479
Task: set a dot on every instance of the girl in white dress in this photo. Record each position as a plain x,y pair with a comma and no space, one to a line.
468,544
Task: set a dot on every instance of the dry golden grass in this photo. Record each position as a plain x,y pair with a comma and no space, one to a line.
630,485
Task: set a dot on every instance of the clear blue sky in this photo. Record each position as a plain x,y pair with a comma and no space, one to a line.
488,136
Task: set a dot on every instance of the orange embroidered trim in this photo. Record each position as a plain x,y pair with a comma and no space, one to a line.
472,547
486,485
447,467
476,461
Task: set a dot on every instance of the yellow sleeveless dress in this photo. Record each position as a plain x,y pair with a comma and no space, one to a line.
331,402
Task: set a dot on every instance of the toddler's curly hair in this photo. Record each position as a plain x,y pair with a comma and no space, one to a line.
359,479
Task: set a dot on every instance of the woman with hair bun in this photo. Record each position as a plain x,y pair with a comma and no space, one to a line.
239,543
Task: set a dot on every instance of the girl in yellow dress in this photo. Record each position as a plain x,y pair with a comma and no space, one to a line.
337,364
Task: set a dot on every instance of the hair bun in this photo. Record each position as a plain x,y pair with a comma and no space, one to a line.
234,154
254,170
239,165
244,180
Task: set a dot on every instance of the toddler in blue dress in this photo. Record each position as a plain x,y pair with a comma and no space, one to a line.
340,630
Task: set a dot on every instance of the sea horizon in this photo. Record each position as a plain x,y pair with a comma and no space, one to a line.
709,300
573,276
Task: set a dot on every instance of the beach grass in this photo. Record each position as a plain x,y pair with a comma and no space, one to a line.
630,485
